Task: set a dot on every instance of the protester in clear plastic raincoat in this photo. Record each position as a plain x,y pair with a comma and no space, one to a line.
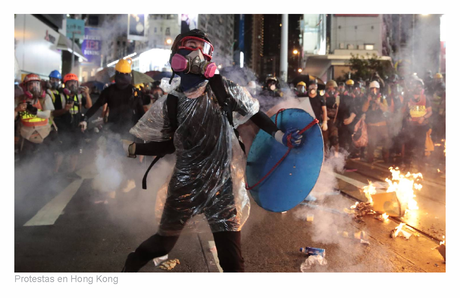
208,176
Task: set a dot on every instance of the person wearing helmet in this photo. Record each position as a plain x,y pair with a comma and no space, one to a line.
67,114
125,109
33,114
438,101
318,104
208,156
341,88
417,111
124,106
301,89
374,108
331,135
346,117
270,94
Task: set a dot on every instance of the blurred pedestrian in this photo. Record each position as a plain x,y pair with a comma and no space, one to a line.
417,110
439,108
374,109
331,135
34,117
67,114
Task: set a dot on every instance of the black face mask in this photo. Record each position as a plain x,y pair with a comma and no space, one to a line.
122,80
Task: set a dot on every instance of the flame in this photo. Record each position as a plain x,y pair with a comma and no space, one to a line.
384,216
404,186
443,241
398,229
369,190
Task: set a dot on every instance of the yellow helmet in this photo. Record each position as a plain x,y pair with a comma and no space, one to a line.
301,84
438,76
350,82
124,65
139,85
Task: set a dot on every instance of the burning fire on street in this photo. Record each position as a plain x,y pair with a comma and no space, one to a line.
397,201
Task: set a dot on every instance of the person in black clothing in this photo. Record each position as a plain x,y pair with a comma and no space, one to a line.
346,117
318,104
125,108
68,105
207,153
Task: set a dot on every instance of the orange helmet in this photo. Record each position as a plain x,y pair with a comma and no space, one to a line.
31,77
70,77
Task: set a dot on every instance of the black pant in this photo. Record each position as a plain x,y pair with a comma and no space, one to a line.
228,246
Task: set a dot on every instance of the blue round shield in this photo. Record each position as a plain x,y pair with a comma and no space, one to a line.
294,178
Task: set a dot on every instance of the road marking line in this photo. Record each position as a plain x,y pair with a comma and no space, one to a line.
51,211
213,249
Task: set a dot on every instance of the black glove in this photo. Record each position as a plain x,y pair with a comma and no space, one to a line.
31,109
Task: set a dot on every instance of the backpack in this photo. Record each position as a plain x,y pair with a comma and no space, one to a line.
218,88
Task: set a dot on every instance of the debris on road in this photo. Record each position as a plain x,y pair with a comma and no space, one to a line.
309,251
311,261
169,265
157,261
399,232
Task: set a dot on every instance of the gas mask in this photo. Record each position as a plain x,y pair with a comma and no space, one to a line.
71,88
192,62
34,90
331,92
122,80
272,87
301,89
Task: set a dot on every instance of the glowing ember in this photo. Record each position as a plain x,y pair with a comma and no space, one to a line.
384,216
404,186
369,191
443,241
396,230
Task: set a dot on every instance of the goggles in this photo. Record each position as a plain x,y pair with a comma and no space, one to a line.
206,50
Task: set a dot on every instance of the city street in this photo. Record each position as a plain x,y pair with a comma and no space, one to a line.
67,226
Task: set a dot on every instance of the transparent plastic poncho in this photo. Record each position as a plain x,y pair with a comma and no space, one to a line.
208,176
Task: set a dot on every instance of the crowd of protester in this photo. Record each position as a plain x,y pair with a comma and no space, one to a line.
395,120
48,115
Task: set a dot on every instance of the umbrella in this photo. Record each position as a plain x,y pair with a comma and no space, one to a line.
90,84
140,78
158,75
306,78
104,75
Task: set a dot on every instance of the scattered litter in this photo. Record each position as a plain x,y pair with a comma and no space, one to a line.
399,232
283,212
382,217
157,261
313,251
359,210
310,217
311,261
169,265
360,235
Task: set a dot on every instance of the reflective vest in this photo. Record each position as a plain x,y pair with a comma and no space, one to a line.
417,109
77,102
31,120
52,94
